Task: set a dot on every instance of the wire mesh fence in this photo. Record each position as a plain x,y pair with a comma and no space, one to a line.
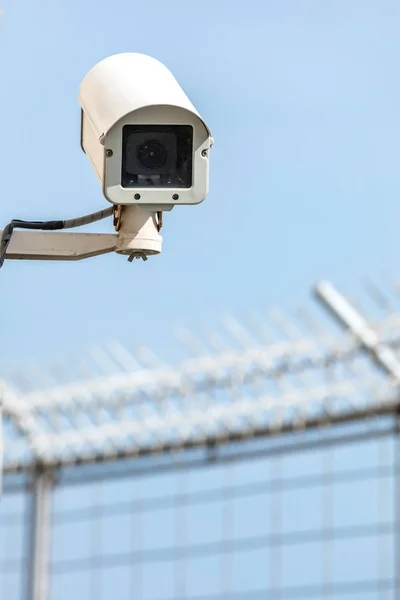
269,472
309,516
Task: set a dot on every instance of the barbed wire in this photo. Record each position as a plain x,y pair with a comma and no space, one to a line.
208,397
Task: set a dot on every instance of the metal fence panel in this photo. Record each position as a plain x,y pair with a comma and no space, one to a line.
312,518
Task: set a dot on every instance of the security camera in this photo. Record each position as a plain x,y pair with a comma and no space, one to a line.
150,149
146,141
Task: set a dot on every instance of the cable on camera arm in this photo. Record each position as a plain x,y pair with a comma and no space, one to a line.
49,226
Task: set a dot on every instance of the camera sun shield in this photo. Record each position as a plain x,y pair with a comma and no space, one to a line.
157,156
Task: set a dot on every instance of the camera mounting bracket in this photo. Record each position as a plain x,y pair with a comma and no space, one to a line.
137,236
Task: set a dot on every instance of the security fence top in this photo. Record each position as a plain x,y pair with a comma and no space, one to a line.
310,375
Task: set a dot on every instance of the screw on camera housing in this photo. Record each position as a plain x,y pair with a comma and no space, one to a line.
175,197
137,196
109,153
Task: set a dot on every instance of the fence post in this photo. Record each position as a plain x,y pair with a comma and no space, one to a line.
39,535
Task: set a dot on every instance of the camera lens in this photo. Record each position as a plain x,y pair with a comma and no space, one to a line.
152,154
157,156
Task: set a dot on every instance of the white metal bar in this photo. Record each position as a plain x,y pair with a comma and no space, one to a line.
355,322
49,245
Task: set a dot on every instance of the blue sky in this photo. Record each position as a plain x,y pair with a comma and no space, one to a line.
302,99
303,102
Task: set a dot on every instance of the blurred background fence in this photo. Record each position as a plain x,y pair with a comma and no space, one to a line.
265,471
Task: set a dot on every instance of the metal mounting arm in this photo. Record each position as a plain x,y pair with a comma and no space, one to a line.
137,237
46,245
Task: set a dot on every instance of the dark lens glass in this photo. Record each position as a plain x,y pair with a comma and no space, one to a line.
152,154
157,156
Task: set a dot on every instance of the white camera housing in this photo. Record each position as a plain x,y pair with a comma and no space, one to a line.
132,108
